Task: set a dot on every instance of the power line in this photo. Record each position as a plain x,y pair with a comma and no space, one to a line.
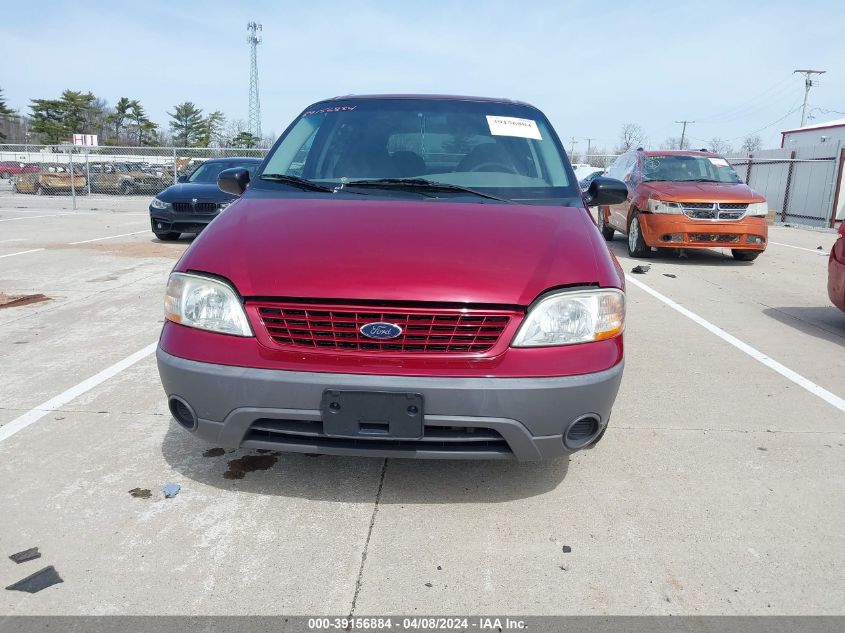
754,102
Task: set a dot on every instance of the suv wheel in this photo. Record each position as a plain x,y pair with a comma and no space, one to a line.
636,244
167,236
39,190
606,231
124,188
745,256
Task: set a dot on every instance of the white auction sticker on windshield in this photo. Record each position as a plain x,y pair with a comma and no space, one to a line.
512,126
719,162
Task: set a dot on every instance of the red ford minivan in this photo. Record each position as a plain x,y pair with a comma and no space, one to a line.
405,276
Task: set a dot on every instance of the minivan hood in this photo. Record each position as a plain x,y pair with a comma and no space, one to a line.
700,191
389,250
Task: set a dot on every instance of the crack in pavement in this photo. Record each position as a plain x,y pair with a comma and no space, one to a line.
367,541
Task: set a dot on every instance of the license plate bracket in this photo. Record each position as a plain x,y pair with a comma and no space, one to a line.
372,414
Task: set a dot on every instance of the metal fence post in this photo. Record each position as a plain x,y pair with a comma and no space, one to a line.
748,170
87,172
72,186
174,165
788,185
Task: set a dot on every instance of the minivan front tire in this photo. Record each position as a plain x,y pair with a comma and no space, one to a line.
636,244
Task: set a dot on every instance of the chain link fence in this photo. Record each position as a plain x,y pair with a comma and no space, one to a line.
69,170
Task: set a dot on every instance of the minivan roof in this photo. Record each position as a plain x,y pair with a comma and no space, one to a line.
679,152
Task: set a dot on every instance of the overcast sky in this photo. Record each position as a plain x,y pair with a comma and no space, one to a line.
591,66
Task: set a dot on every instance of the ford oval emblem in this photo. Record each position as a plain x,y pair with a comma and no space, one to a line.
381,330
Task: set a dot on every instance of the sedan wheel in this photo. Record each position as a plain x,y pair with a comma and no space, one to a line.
606,231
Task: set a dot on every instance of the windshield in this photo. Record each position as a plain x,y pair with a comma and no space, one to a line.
504,149
208,172
677,168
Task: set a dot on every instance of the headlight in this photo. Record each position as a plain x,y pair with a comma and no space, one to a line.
159,204
565,318
205,303
758,208
661,206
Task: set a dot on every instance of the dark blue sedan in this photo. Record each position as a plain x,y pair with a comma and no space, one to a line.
189,205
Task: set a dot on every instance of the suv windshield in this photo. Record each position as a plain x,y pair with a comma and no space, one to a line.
677,168
502,149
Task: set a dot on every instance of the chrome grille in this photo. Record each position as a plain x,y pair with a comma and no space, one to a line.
714,210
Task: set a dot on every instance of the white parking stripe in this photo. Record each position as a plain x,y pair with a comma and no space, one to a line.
31,417
756,354
801,248
110,237
34,250
32,217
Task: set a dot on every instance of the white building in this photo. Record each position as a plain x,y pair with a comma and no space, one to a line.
829,132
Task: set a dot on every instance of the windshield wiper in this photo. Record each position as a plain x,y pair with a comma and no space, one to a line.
698,180
296,181
421,183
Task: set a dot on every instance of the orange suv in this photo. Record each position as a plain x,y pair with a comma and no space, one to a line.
685,199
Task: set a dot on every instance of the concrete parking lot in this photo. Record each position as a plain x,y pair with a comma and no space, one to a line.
716,490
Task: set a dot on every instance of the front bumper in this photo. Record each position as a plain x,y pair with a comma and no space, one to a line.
464,418
662,231
165,221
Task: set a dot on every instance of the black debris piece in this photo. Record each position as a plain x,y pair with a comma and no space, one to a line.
141,493
41,579
670,275
566,549
439,568
762,448
428,584
641,269
28,554
214,452
819,248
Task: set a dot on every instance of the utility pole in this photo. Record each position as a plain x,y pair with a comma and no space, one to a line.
683,131
572,140
254,39
589,147
808,83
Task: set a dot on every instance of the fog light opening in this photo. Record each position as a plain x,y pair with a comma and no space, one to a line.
182,412
582,431
755,239
672,237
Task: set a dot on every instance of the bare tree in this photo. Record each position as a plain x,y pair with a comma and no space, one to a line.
752,143
673,142
718,146
631,135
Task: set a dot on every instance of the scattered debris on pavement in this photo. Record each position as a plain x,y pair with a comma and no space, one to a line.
238,468
214,452
28,554
34,583
428,584
819,248
170,490
641,269
670,275
141,493
11,301
566,549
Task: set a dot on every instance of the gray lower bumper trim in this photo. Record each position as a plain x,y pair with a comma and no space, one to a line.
531,414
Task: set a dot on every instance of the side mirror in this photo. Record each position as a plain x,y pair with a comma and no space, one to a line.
604,191
182,178
233,180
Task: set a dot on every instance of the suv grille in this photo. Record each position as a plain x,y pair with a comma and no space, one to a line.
424,331
714,210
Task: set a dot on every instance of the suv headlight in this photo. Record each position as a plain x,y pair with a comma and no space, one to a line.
206,304
159,204
568,317
662,206
758,209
